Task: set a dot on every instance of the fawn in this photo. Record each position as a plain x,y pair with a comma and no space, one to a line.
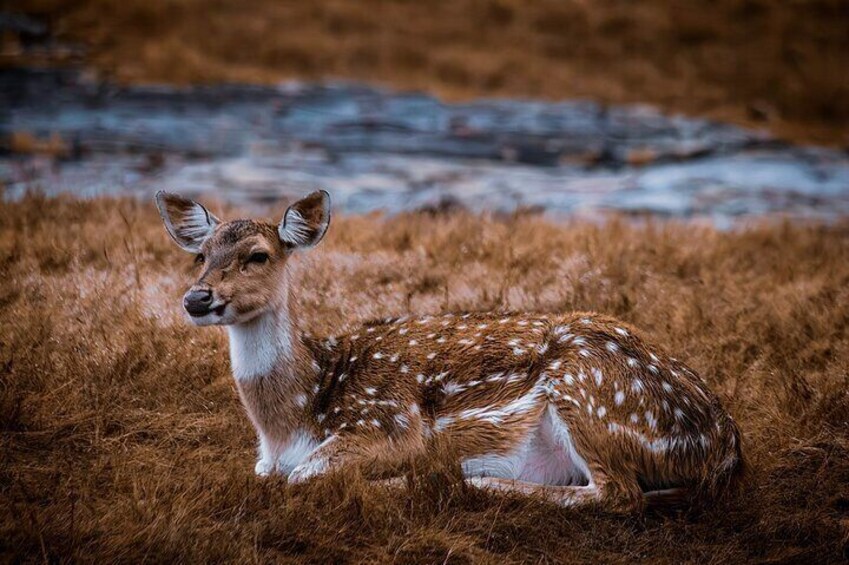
576,407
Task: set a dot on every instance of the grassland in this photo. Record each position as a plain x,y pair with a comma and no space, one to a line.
123,440
759,62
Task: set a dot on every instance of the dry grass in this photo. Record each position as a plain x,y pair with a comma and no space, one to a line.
122,438
764,62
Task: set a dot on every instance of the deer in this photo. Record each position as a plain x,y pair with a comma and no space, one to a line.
576,407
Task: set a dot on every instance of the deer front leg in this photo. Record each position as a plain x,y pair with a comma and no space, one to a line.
341,451
266,460
330,454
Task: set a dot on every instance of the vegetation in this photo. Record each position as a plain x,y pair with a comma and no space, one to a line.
760,62
123,440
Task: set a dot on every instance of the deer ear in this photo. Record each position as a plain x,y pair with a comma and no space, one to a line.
306,221
188,223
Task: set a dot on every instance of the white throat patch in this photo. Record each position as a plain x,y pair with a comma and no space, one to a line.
257,346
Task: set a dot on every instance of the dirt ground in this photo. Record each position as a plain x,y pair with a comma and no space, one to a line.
778,64
123,439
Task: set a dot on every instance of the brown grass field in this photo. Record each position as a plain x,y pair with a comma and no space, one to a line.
123,439
775,63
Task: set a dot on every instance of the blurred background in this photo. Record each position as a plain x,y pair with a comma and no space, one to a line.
722,110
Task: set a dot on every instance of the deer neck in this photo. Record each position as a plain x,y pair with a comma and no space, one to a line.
273,370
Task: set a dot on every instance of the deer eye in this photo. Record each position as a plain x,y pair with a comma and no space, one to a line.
199,258
258,258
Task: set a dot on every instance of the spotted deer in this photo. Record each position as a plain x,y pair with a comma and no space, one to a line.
577,407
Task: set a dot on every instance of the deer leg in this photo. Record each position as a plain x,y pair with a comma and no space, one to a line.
563,495
336,452
600,493
331,454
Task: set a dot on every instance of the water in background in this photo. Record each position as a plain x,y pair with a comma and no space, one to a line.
380,150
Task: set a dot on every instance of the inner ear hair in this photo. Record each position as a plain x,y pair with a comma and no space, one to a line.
306,221
188,223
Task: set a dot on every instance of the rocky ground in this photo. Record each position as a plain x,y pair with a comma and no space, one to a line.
380,150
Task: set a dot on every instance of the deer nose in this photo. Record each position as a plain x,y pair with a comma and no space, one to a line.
197,302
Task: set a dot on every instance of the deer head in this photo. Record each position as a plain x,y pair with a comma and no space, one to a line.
242,263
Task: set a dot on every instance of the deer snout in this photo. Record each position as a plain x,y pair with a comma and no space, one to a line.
197,302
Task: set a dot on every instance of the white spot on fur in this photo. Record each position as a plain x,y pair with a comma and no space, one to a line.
621,331
568,379
516,377
370,390
402,421
597,376
431,355
452,388
666,386
602,411
405,369
650,419
619,398
442,423
612,347
413,342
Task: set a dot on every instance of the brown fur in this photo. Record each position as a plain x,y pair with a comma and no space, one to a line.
638,419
